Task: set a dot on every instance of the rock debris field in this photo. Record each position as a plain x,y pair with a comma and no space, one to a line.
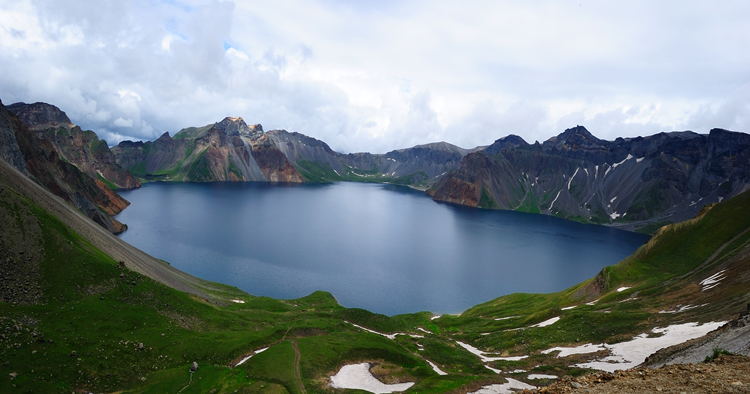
724,374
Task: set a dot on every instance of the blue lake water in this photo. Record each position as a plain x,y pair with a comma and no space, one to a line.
388,249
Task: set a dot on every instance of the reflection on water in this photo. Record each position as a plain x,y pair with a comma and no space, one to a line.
385,248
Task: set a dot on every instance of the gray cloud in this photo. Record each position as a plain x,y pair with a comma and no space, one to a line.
379,76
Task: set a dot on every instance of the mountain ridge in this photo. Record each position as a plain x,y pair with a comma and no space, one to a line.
635,183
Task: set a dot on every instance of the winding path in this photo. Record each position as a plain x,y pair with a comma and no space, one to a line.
297,376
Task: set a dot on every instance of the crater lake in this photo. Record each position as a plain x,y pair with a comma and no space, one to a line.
385,248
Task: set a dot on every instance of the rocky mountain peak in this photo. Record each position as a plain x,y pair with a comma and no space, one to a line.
509,142
40,116
574,138
237,126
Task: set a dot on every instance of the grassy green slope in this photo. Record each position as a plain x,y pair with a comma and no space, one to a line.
82,327
661,276
192,132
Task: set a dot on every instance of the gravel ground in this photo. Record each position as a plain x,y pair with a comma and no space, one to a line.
725,374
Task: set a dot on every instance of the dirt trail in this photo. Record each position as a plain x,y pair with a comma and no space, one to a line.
298,377
134,258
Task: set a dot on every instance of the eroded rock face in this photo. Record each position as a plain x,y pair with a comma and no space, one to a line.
63,179
40,116
9,150
627,182
237,126
273,163
229,150
82,148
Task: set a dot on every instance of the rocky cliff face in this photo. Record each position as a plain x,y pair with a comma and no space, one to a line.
45,166
665,177
81,148
228,150
9,150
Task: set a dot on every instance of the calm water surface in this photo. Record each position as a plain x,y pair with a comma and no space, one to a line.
384,248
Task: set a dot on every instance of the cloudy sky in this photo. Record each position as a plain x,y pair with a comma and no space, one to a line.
377,75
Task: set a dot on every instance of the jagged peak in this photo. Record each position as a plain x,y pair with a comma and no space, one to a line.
578,131
40,115
577,136
509,141
237,126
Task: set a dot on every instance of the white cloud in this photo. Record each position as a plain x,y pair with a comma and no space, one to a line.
382,75
120,122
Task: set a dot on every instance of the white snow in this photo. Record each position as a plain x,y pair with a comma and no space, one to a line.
358,376
435,317
238,301
547,322
485,333
568,307
422,329
613,199
712,281
518,371
553,201
626,355
620,289
389,336
484,358
571,178
436,369
506,318
617,164
596,171
587,171
640,159
614,215
626,159
567,351
337,173
592,302
682,308
505,388
248,357
493,369
541,376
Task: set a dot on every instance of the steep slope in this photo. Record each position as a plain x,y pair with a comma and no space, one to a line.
42,161
10,152
634,183
79,147
228,150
